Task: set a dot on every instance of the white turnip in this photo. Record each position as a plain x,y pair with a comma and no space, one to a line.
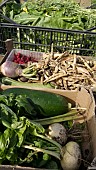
58,132
71,159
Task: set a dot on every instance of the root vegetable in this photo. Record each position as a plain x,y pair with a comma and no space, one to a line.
11,69
71,156
58,132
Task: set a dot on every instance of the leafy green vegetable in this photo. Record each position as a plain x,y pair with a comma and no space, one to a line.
54,14
22,141
21,105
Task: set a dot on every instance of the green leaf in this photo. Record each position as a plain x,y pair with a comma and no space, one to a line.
5,140
25,106
7,115
3,99
45,157
2,143
35,128
11,14
21,132
25,18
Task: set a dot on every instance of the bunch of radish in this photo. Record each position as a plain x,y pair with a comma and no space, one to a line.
22,59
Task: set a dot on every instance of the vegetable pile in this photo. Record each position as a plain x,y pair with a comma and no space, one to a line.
59,70
39,129
25,141
52,14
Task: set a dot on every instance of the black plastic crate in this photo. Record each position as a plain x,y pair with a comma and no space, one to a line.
41,39
93,6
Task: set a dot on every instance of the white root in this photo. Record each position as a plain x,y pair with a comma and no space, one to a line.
71,156
58,132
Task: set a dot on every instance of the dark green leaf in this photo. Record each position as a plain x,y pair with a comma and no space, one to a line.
7,115
27,104
3,99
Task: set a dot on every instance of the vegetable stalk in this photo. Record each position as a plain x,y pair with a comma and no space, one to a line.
71,115
52,153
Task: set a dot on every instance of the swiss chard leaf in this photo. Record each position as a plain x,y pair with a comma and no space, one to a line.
3,99
19,131
7,116
25,18
28,106
7,141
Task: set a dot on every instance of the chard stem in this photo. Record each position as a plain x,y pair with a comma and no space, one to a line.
51,141
71,115
52,153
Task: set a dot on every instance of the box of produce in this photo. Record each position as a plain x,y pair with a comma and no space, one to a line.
47,129
55,70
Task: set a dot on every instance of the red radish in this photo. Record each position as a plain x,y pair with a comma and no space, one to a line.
22,59
11,69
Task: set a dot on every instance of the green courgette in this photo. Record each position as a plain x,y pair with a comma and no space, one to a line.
12,82
49,104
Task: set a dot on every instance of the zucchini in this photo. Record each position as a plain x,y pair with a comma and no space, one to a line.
49,104
12,82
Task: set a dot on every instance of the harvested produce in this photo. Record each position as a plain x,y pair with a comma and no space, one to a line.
22,59
72,114
59,70
17,132
12,82
47,103
63,71
57,132
16,70
52,14
67,71
72,156
25,141
10,69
